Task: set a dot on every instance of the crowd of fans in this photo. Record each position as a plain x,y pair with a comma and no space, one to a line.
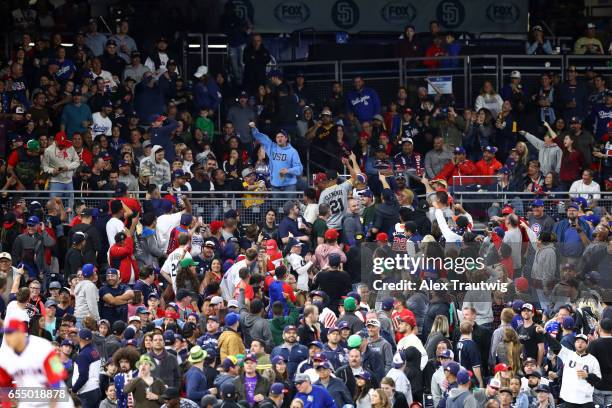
276,303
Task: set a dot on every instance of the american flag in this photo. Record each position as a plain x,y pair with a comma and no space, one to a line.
327,318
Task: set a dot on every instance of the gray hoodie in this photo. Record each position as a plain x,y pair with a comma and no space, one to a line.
160,172
549,156
461,398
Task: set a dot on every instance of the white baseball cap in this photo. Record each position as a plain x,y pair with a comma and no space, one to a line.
515,74
202,70
6,255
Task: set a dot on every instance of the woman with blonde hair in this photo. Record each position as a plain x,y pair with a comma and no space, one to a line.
379,399
488,99
439,332
509,351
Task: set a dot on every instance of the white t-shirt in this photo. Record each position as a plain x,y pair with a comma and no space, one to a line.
113,226
101,126
14,311
231,279
165,224
171,265
590,192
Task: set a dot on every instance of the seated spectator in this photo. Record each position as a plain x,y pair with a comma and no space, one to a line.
536,45
589,44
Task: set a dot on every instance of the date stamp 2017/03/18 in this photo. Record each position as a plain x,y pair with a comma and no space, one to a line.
34,394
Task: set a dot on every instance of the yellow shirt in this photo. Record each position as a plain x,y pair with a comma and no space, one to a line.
252,199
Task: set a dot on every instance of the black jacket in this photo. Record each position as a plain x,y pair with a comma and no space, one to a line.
345,373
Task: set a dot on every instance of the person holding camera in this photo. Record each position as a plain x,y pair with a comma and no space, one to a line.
573,234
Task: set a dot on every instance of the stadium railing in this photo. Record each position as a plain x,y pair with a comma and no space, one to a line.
480,202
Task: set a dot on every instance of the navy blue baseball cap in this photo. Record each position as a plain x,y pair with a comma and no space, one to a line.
537,203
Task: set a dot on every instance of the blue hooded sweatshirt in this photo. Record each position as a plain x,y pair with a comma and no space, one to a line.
161,136
601,115
364,104
280,157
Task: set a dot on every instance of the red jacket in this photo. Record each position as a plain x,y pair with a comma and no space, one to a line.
122,257
485,168
450,169
433,51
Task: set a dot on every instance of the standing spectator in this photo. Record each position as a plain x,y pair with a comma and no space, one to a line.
589,44
76,116
408,46
573,96
230,342
114,298
236,28
206,94
536,44
86,295
586,188
285,164
549,154
145,388
584,140
86,378
251,386
125,43
488,99
241,115
601,115
60,160
600,349
111,61
158,166
29,247
166,366
313,396
136,69
94,40
196,385
256,57
157,62
363,101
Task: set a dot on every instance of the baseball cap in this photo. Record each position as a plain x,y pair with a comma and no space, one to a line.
142,310
278,389
52,285
407,140
408,110
33,145
364,374
88,270
515,74
581,337
373,322
85,334
14,325
382,237
505,389
501,367
300,378
398,361
463,377
350,304
589,26
568,323
278,359
537,28
334,259
326,112
178,173
459,150
232,303
446,354
354,341
387,303
537,203
331,234
491,149
33,220
250,357
495,383
290,328
316,343
78,237
543,388
452,367
228,390
231,319
50,302
529,360
527,306
187,262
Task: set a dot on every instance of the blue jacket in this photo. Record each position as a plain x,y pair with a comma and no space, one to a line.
161,136
149,101
318,398
364,104
87,360
293,357
196,385
207,95
570,249
280,157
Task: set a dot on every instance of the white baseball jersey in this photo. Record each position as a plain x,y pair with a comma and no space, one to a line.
37,367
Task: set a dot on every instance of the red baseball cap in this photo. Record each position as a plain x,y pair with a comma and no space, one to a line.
319,178
215,226
501,367
408,319
61,140
331,234
507,210
15,325
382,237
271,246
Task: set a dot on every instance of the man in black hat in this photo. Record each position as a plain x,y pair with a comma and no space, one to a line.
74,256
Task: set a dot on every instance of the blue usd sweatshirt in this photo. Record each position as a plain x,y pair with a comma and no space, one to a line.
280,157
364,104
